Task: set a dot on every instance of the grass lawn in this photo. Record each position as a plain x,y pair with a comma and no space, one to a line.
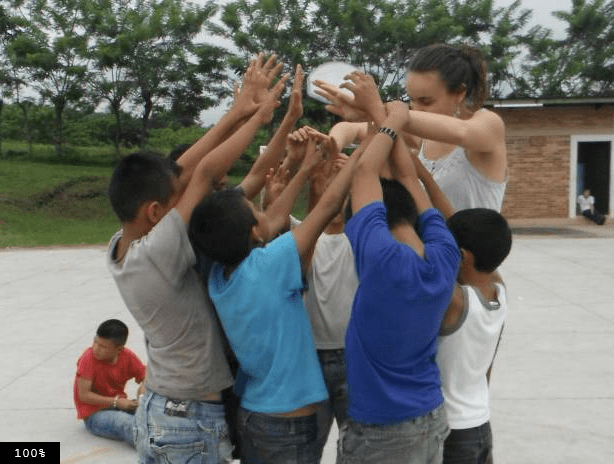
53,204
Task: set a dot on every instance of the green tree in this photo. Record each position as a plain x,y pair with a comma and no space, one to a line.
108,22
12,81
164,58
590,36
579,65
53,51
378,36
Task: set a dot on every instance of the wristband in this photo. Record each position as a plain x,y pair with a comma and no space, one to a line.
115,401
389,132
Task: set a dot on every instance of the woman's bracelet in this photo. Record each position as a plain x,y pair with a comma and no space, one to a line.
389,132
115,401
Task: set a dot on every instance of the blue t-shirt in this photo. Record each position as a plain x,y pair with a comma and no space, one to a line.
262,312
398,308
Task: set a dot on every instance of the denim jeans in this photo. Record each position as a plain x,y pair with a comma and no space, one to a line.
111,423
192,432
336,407
267,439
415,441
468,446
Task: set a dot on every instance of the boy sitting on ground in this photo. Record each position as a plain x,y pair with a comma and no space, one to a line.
100,382
256,288
471,331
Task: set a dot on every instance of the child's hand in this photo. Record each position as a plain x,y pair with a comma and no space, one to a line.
339,161
296,143
295,108
267,107
256,82
275,183
127,405
313,155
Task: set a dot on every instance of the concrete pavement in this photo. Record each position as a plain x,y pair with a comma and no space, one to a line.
552,383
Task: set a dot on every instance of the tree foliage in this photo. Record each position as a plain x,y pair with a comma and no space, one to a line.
161,61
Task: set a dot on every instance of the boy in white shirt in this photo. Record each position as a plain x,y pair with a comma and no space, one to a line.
470,333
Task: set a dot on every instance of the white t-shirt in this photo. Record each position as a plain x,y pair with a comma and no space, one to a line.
331,285
586,202
464,355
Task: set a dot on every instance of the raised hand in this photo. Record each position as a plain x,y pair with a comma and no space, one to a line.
313,154
366,95
341,103
256,82
295,107
268,105
276,181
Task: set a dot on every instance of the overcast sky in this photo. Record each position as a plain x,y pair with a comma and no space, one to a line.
541,14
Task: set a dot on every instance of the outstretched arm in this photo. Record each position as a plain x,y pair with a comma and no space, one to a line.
329,204
366,187
221,158
278,213
255,179
256,82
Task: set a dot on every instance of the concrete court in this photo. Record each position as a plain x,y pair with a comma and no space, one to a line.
552,384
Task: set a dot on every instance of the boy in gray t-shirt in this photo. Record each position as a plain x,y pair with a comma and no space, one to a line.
152,262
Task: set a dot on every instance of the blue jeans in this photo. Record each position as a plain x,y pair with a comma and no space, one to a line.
336,407
415,441
267,439
468,446
192,432
111,423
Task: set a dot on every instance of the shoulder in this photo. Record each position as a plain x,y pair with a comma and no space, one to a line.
486,116
87,355
127,353
368,219
85,364
374,209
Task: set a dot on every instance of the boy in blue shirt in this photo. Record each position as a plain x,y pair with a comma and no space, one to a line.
257,291
406,260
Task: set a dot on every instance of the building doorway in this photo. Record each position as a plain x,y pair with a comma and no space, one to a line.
592,168
594,172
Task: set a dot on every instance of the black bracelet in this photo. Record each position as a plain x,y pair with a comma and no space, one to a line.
389,132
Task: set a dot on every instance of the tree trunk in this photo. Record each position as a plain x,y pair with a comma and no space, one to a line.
59,104
115,107
145,119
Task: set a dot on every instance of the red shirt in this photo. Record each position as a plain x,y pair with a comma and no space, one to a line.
108,379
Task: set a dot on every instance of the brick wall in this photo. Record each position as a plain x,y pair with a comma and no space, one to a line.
539,152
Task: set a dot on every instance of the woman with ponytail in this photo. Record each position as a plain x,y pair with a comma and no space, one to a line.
461,144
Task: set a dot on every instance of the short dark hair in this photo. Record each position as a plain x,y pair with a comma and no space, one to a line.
221,227
179,150
400,205
114,330
485,233
141,177
459,67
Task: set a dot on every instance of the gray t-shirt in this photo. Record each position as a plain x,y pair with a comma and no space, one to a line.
331,285
183,337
